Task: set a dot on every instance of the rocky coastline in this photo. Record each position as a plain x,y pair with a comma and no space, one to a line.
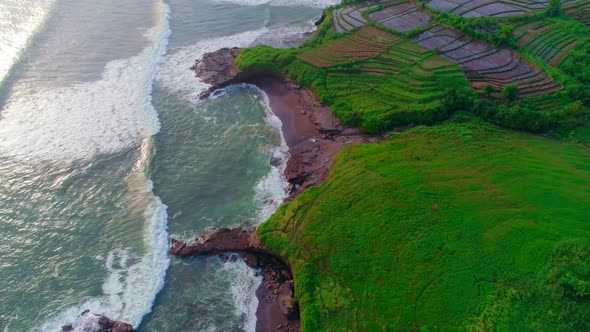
277,310
314,136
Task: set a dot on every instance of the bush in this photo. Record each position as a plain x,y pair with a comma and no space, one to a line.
511,93
553,8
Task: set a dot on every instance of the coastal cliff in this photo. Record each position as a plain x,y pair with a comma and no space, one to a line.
311,131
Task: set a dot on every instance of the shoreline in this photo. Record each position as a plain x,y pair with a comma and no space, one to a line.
313,136
312,133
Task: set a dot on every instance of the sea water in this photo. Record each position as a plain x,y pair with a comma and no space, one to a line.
106,152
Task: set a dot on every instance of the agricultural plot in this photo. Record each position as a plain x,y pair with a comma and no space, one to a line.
545,40
476,8
405,78
363,44
348,18
580,11
401,16
485,65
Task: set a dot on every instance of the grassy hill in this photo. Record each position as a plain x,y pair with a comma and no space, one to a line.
458,226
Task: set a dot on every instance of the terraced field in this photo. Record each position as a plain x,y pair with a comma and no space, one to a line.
476,8
401,16
545,40
350,17
483,64
363,44
406,77
580,11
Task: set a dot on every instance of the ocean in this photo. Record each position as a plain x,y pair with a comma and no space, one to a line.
106,153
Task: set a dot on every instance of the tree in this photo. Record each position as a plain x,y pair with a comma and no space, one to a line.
554,7
511,93
488,90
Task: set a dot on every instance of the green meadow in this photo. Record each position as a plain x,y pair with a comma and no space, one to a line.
460,226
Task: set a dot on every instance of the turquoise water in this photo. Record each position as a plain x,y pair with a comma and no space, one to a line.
105,153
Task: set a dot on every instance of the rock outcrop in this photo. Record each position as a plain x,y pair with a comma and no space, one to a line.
277,289
100,323
219,241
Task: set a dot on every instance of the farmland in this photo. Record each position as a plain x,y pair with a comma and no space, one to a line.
486,65
545,41
401,16
363,44
350,17
579,10
400,86
377,79
477,8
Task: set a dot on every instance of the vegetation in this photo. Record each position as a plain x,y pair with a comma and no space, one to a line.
553,7
460,226
373,80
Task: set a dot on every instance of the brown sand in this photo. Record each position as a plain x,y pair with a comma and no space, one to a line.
314,137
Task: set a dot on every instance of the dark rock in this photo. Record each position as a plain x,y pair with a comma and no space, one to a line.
219,241
67,328
251,260
276,162
122,327
108,325
321,19
85,312
223,257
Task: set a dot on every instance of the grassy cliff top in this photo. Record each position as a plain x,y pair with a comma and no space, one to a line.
458,226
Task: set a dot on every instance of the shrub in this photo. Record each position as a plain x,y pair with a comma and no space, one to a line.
553,7
511,93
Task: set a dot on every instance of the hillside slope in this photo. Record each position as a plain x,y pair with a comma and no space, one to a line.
459,226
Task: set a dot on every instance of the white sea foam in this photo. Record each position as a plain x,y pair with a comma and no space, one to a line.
132,282
243,289
271,190
175,74
282,3
88,118
16,31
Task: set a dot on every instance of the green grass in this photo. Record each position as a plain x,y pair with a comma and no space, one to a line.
458,226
